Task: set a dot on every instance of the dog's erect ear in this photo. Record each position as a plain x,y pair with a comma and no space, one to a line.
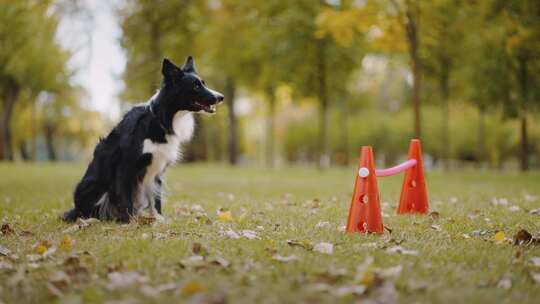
170,70
189,66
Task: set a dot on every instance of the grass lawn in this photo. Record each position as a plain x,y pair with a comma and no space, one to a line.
245,257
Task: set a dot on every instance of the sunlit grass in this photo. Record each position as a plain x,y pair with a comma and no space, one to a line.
279,205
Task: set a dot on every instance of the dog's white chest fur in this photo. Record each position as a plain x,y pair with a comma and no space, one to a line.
163,154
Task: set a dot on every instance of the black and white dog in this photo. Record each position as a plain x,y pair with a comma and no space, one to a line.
124,177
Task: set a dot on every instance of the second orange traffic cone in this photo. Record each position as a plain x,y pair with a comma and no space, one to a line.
365,211
413,197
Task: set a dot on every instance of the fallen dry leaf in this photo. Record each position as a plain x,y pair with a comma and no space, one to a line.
472,215
6,229
249,234
414,286
523,237
306,244
391,273
535,211
54,291
530,198
513,208
121,280
501,201
504,283
386,293
284,259
44,248
225,216
5,266
149,291
346,290
436,227
199,249
500,238
434,215
193,261
60,280
219,261
323,247
191,288
143,220
4,251
322,224
401,250
364,272
535,261
518,257
34,257
536,277
76,270
66,243
80,224
230,234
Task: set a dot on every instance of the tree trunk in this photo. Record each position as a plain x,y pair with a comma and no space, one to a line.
24,152
10,93
445,93
481,141
345,131
270,126
33,136
524,85
324,157
49,141
411,27
230,91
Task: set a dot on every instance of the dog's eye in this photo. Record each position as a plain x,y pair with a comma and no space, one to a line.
197,88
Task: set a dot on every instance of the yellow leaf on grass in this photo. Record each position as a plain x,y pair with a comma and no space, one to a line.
66,243
191,288
225,216
43,246
499,237
307,244
41,249
367,278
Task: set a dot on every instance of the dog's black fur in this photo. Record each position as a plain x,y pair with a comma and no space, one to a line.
114,177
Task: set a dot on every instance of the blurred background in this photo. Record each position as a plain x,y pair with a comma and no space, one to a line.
306,81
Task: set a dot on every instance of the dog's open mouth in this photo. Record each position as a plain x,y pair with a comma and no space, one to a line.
206,108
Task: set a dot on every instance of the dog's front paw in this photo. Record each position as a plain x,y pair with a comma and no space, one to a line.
70,215
159,218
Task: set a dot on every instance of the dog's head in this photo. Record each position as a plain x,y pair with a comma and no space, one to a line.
187,90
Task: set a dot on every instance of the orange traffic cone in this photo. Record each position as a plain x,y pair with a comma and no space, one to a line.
365,211
413,197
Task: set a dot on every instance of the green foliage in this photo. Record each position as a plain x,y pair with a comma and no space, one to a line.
389,134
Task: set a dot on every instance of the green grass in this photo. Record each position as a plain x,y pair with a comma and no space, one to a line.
279,205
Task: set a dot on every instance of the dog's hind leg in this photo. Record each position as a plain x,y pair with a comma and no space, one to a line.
86,196
158,195
87,193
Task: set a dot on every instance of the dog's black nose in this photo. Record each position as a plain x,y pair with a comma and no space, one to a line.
219,98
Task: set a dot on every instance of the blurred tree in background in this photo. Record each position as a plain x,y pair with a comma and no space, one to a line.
34,79
307,81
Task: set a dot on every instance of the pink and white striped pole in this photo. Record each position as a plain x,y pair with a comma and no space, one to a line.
363,172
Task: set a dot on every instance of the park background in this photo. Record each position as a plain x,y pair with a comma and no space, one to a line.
306,82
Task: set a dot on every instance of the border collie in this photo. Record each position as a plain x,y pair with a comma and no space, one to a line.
125,175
